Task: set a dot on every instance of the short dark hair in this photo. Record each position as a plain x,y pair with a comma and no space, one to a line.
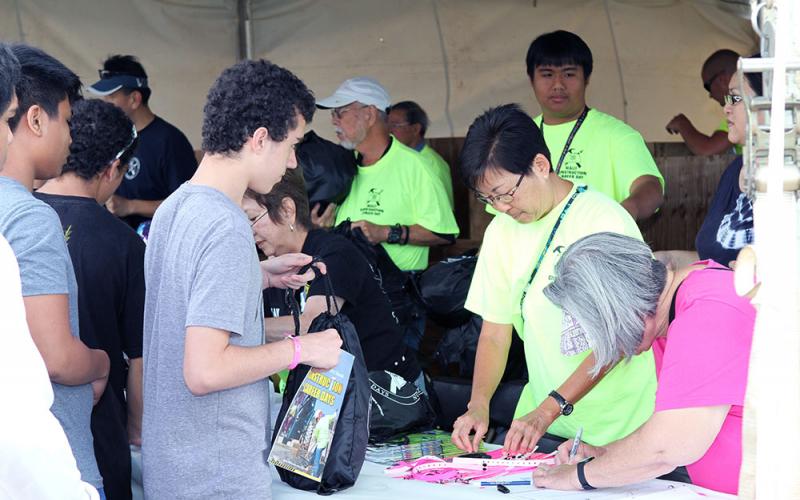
559,48
249,95
44,81
414,114
9,76
128,65
292,186
99,132
504,138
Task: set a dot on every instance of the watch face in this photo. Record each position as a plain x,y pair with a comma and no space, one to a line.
567,409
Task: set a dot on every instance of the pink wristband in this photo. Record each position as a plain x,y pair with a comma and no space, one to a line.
296,357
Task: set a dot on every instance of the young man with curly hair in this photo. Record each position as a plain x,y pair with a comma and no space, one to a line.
108,258
205,431
46,91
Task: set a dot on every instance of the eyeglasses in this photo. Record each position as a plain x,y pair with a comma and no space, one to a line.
338,113
707,84
254,221
393,126
127,147
732,99
502,198
107,73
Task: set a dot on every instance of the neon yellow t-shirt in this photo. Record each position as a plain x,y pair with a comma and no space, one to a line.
625,398
440,169
606,154
400,189
723,126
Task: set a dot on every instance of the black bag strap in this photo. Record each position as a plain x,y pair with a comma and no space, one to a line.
291,300
675,295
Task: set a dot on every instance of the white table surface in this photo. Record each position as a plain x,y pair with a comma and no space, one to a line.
372,484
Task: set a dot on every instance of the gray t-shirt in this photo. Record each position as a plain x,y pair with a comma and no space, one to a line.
33,230
201,269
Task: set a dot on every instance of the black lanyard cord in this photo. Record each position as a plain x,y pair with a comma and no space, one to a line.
572,134
579,190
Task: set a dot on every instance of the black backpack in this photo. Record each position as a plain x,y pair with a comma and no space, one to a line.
349,445
328,169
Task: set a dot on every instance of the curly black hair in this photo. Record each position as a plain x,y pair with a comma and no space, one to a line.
100,131
249,95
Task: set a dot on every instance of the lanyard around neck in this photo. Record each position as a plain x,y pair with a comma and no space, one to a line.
578,190
574,131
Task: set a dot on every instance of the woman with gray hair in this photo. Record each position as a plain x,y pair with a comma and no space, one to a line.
623,302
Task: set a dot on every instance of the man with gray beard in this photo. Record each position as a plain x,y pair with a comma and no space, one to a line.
395,199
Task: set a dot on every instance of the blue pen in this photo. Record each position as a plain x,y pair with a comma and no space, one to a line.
574,450
516,482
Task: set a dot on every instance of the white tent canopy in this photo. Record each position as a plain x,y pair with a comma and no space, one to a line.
455,57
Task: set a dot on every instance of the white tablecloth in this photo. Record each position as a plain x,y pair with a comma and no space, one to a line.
372,484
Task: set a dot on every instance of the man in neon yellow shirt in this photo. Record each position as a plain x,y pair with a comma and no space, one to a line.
716,74
605,153
408,123
506,162
394,199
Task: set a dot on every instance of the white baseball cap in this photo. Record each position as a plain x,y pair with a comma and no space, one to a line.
362,89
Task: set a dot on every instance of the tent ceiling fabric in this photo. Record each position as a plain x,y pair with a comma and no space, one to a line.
656,46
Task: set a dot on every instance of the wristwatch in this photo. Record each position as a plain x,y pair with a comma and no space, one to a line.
566,406
582,474
395,234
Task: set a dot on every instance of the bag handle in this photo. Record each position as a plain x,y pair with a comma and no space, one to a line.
291,301
326,280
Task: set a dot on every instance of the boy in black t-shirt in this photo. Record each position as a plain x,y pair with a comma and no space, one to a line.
108,259
164,158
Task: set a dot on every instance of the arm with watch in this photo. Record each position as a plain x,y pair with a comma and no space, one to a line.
526,431
401,235
660,445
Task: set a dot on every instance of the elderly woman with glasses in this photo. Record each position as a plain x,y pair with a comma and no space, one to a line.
282,225
507,164
624,302
728,225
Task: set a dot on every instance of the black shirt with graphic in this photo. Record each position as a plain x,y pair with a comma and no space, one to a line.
163,160
108,258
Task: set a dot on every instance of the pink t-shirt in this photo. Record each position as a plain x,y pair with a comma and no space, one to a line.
703,361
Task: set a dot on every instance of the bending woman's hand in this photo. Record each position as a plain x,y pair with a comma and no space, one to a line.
281,271
525,432
475,419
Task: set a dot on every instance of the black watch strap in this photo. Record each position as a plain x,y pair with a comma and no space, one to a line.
395,234
566,406
582,474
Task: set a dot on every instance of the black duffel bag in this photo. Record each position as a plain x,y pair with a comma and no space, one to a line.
443,288
328,170
349,445
397,407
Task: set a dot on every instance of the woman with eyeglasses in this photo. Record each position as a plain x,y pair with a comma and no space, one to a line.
282,224
728,226
506,163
